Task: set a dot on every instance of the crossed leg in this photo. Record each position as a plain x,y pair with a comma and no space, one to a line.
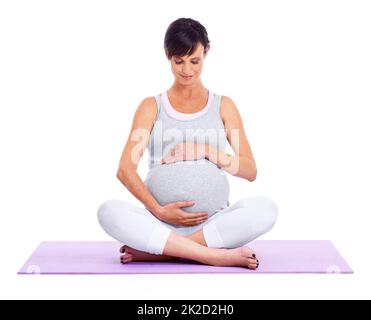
258,212
131,254
184,247
230,228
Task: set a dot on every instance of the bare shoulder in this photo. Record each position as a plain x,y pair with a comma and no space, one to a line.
146,112
228,109
148,106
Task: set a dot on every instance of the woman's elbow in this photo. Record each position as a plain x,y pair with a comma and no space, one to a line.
251,177
124,172
119,174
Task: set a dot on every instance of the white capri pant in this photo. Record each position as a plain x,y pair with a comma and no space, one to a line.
231,227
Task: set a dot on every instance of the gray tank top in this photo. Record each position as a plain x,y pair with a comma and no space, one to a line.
199,180
168,131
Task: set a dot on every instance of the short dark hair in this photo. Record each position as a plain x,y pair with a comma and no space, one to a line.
182,37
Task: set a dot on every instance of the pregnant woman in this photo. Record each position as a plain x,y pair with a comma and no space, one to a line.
186,211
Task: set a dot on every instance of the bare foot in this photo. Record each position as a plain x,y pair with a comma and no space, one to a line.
237,257
130,254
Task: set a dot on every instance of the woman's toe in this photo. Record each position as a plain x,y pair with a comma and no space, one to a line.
126,258
251,260
252,263
123,248
255,255
252,266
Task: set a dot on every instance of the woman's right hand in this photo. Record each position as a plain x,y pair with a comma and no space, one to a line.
173,214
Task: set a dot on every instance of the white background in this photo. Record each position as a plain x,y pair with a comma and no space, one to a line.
72,74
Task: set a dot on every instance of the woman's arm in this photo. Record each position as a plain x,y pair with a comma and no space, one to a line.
135,146
242,164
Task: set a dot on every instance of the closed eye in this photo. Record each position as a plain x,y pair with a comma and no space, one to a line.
179,62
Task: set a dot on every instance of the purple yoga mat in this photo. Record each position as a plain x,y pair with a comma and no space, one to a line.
275,256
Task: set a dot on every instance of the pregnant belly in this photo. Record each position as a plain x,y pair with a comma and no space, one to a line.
201,181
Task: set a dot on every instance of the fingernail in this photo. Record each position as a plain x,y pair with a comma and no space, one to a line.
122,250
253,255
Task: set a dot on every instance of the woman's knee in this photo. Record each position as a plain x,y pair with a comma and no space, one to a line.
263,209
268,212
106,211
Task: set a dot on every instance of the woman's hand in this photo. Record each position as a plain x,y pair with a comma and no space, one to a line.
173,214
186,151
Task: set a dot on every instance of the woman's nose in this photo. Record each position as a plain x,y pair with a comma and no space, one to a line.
187,70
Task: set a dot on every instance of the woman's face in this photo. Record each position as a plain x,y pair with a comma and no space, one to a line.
187,69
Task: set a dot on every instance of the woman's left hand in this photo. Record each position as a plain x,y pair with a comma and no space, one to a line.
185,151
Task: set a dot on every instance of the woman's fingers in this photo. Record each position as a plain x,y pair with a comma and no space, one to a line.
194,221
195,218
196,215
188,203
168,160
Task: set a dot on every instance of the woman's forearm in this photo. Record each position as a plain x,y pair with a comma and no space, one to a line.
132,181
238,166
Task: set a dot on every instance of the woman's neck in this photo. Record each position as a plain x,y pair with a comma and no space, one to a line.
188,92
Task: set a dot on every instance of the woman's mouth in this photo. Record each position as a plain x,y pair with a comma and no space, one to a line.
187,77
